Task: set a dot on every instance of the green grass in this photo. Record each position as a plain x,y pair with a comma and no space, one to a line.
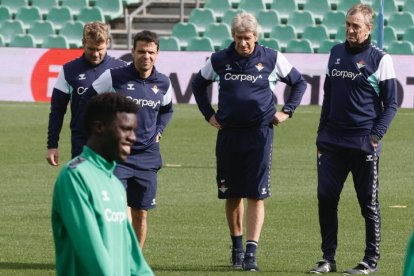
188,234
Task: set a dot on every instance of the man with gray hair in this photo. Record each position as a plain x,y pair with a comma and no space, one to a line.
247,74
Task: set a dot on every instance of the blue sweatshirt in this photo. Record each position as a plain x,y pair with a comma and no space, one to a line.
246,86
153,95
73,80
360,92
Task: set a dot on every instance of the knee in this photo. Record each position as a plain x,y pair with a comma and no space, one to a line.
139,215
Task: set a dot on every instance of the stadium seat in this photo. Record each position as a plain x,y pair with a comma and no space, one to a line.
332,20
200,44
23,40
169,43
219,7
131,2
318,8
73,31
4,14
283,33
217,32
409,34
226,43
55,41
28,15
270,43
389,35
252,6
390,7
299,46
400,21
45,5
59,16
229,15
400,48
315,34
346,5
341,33
326,45
201,18
11,27
184,32
408,6
91,14
285,8
300,20
14,5
75,5
111,9
2,44
40,30
267,19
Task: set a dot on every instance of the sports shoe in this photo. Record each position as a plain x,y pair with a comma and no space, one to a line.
361,268
237,257
323,266
249,262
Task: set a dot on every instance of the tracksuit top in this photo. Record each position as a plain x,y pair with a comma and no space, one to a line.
91,229
360,91
246,86
73,80
153,95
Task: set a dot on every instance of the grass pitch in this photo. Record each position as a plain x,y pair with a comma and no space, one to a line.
188,234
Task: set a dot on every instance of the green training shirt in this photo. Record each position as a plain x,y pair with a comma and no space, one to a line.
91,229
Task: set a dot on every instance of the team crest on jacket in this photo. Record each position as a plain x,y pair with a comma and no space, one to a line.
259,66
360,64
155,89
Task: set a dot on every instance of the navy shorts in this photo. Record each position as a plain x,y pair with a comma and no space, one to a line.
139,176
244,160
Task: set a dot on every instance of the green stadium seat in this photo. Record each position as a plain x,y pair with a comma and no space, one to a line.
91,14
226,43
11,27
23,40
201,18
14,5
390,7
45,5
229,15
2,44
333,20
184,32
408,6
409,34
283,33
73,31
4,14
111,9
400,21
131,2
326,45
389,35
285,8
75,5
300,20
267,19
200,44
169,43
219,7
40,30
28,15
318,8
217,32
59,16
270,43
299,46
400,48
235,4
315,34
252,6
341,33
346,5
55,41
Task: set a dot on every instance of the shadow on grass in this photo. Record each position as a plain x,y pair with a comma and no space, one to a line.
222,268
24,266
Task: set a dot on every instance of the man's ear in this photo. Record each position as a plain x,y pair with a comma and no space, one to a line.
98,127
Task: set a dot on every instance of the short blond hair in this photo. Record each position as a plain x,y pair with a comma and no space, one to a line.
245,22
96,31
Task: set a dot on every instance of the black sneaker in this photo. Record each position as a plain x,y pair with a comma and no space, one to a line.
361,268
249,262
323,266
237,257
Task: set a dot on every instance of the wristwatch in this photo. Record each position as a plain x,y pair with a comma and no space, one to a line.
288,112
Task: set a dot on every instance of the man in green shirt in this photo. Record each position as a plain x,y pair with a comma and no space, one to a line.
409,258
91,229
